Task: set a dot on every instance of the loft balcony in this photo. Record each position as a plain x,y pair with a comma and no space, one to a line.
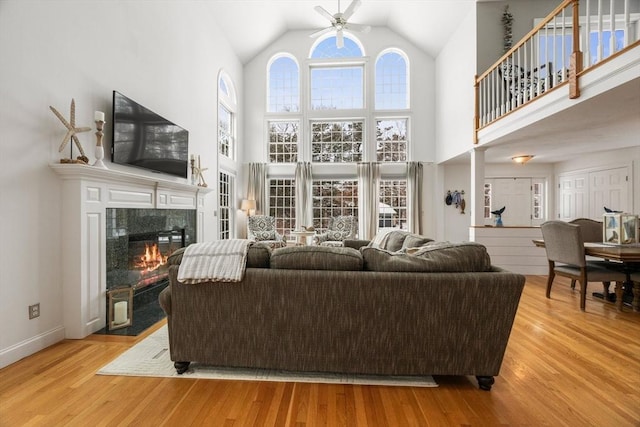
571,85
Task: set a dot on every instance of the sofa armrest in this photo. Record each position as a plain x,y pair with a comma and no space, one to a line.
165,300
355,243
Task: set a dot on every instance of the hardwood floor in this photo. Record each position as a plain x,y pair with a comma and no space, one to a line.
562,367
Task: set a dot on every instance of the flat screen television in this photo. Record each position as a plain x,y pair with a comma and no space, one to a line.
147,140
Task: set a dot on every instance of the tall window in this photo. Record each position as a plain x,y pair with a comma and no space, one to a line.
392,92
225,219
283,141
392,211
226,117
337,88
333,198
337,141
284,85
282,204
391,140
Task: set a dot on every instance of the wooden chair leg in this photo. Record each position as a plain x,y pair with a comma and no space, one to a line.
550,278
573,283
619,295
583,294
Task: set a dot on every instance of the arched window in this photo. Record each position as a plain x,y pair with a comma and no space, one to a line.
227,106
284,85
392,83
336,86
326,48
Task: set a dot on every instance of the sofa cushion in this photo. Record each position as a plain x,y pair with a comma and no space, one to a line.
415,241
432,257
395,240
258,256
316,258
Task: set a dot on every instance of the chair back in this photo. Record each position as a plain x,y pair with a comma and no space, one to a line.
261,227
591,229
563,243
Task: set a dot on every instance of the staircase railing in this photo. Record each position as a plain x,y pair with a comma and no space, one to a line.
574,38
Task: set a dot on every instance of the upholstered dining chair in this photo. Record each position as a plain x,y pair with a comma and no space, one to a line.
591,231
564,245
340,229
262,229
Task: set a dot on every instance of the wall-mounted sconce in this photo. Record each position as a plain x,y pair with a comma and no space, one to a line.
522,159
248,206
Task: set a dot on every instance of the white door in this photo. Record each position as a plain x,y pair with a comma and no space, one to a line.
515,195
608,188
573,196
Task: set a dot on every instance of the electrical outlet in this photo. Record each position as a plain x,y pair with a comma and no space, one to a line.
34,311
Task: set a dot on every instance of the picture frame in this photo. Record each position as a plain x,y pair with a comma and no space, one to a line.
620,228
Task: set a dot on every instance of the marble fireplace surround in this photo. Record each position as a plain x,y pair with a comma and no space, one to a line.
86,194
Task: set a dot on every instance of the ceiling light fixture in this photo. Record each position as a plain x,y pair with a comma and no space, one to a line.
522,159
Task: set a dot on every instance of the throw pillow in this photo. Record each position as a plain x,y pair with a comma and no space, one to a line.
433,257
414,241
265,235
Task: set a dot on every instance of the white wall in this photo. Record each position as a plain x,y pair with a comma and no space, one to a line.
455,97
165,55
490,28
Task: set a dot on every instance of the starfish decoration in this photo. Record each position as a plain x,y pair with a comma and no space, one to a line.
72,130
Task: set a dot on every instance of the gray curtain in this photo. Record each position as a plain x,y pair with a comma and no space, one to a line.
414,196
304,179
368,182
256,186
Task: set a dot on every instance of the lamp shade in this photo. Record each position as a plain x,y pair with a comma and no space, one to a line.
247,205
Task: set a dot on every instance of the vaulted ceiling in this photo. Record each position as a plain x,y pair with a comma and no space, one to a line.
251,25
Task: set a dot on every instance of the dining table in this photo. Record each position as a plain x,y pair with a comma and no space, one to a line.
628,255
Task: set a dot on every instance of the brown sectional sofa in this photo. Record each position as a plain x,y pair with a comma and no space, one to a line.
322,309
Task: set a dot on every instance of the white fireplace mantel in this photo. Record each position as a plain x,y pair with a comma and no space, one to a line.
86,194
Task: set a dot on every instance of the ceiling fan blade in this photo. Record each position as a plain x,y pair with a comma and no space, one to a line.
351,9
320,32
322,11
339,39
358,27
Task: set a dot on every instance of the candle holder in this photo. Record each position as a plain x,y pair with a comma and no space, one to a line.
99,148
120,308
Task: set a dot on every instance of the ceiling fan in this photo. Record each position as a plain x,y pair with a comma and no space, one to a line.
339,22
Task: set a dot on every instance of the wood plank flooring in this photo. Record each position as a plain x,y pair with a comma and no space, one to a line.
562,367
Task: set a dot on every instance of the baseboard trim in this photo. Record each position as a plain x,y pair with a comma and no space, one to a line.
30,346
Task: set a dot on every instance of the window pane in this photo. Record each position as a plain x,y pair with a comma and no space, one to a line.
328,49
336,141
393,204
282,204
225,188
284,88
333,198
337,88
225,129
391,140
391,82
283,141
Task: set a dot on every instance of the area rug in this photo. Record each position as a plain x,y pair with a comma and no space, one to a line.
150,358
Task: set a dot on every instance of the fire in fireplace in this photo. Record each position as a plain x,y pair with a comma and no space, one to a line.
139,241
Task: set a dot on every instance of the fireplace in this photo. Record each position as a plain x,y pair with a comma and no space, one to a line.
138,243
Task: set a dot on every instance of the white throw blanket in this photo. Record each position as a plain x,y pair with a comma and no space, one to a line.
216,261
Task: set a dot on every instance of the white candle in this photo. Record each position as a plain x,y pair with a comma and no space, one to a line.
99,116
120,312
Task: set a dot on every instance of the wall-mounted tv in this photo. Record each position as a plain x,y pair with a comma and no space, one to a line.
145,139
